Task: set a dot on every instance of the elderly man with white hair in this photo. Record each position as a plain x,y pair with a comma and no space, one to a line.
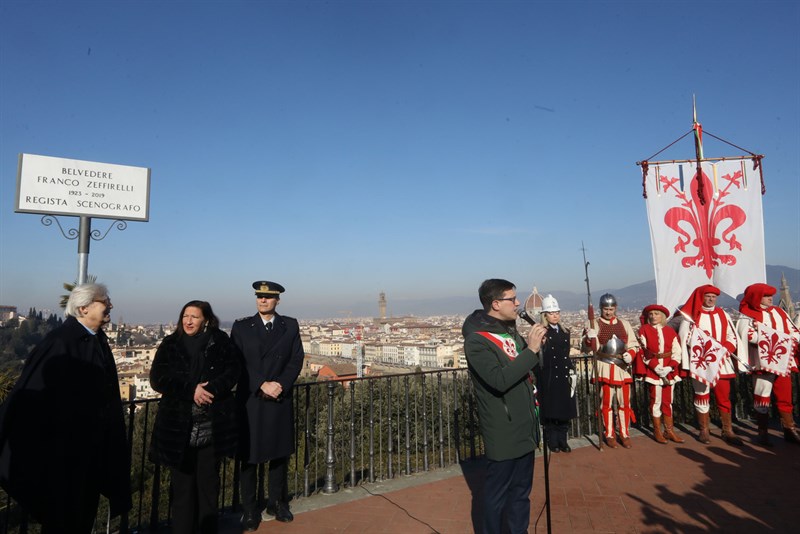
61,429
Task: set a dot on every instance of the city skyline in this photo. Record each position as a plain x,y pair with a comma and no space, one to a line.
351,148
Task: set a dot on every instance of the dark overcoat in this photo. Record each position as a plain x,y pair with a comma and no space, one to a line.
499,364
267,429
552,377
62,432
171,375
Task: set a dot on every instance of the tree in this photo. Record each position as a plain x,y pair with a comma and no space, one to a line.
7,380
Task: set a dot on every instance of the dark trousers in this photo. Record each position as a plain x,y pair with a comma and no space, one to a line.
556,432
195,489
277,485
507,489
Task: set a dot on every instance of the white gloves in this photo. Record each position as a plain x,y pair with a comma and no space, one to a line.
627,358
662,370
573,382
591,333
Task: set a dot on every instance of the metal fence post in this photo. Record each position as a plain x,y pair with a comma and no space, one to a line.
330,458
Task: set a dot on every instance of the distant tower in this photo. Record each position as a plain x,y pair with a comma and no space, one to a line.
382,305
786,298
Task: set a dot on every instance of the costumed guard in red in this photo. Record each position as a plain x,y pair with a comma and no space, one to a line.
659,365
615,346
701,311
773,342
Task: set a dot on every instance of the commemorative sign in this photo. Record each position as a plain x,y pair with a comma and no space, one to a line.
59,186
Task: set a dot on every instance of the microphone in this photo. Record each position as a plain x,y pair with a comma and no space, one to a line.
524,315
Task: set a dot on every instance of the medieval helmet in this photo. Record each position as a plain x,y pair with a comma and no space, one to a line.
550,304
614,346
607,301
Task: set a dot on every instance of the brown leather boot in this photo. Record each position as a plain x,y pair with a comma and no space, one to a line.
657,435
611,441
727,430
763,429
670,431
702,421
789,430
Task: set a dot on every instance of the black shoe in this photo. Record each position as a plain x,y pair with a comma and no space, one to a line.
251,520
566,448
281,512
554,449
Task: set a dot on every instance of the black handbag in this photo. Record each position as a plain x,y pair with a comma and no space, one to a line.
201,434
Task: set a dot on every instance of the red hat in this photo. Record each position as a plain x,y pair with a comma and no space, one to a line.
652,307
694,305
751,302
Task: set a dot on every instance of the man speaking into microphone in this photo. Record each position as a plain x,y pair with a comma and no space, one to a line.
500,366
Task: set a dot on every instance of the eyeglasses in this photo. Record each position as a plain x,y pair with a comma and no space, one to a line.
512,299
106,301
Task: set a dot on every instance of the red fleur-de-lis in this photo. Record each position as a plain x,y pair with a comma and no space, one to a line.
771,349
510,348
711,223
703,355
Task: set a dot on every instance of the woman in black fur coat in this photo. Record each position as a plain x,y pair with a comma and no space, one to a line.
195,370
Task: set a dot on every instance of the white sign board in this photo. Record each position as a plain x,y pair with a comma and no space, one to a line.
58,186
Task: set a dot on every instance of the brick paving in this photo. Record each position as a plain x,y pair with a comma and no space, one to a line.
650,488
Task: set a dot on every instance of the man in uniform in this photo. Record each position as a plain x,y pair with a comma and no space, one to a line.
273,357
772,341
701,310
613,341
659,364
500,364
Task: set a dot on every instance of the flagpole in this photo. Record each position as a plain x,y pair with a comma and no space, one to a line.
698,150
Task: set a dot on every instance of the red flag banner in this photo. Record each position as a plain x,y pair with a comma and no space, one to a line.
719,241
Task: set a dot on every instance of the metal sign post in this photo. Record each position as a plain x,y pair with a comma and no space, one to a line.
85,189
84,230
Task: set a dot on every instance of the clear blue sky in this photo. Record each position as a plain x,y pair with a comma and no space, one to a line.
348,148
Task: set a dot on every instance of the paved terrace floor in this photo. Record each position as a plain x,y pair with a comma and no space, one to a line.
650,488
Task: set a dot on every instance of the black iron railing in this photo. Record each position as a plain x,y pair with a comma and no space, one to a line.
352,431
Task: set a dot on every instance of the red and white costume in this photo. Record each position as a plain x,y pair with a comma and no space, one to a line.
615,381
716,323
765,382
660,347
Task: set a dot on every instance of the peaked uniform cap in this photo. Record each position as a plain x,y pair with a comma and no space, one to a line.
266,288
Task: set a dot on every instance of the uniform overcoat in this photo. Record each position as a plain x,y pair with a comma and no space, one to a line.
267,429
552,377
